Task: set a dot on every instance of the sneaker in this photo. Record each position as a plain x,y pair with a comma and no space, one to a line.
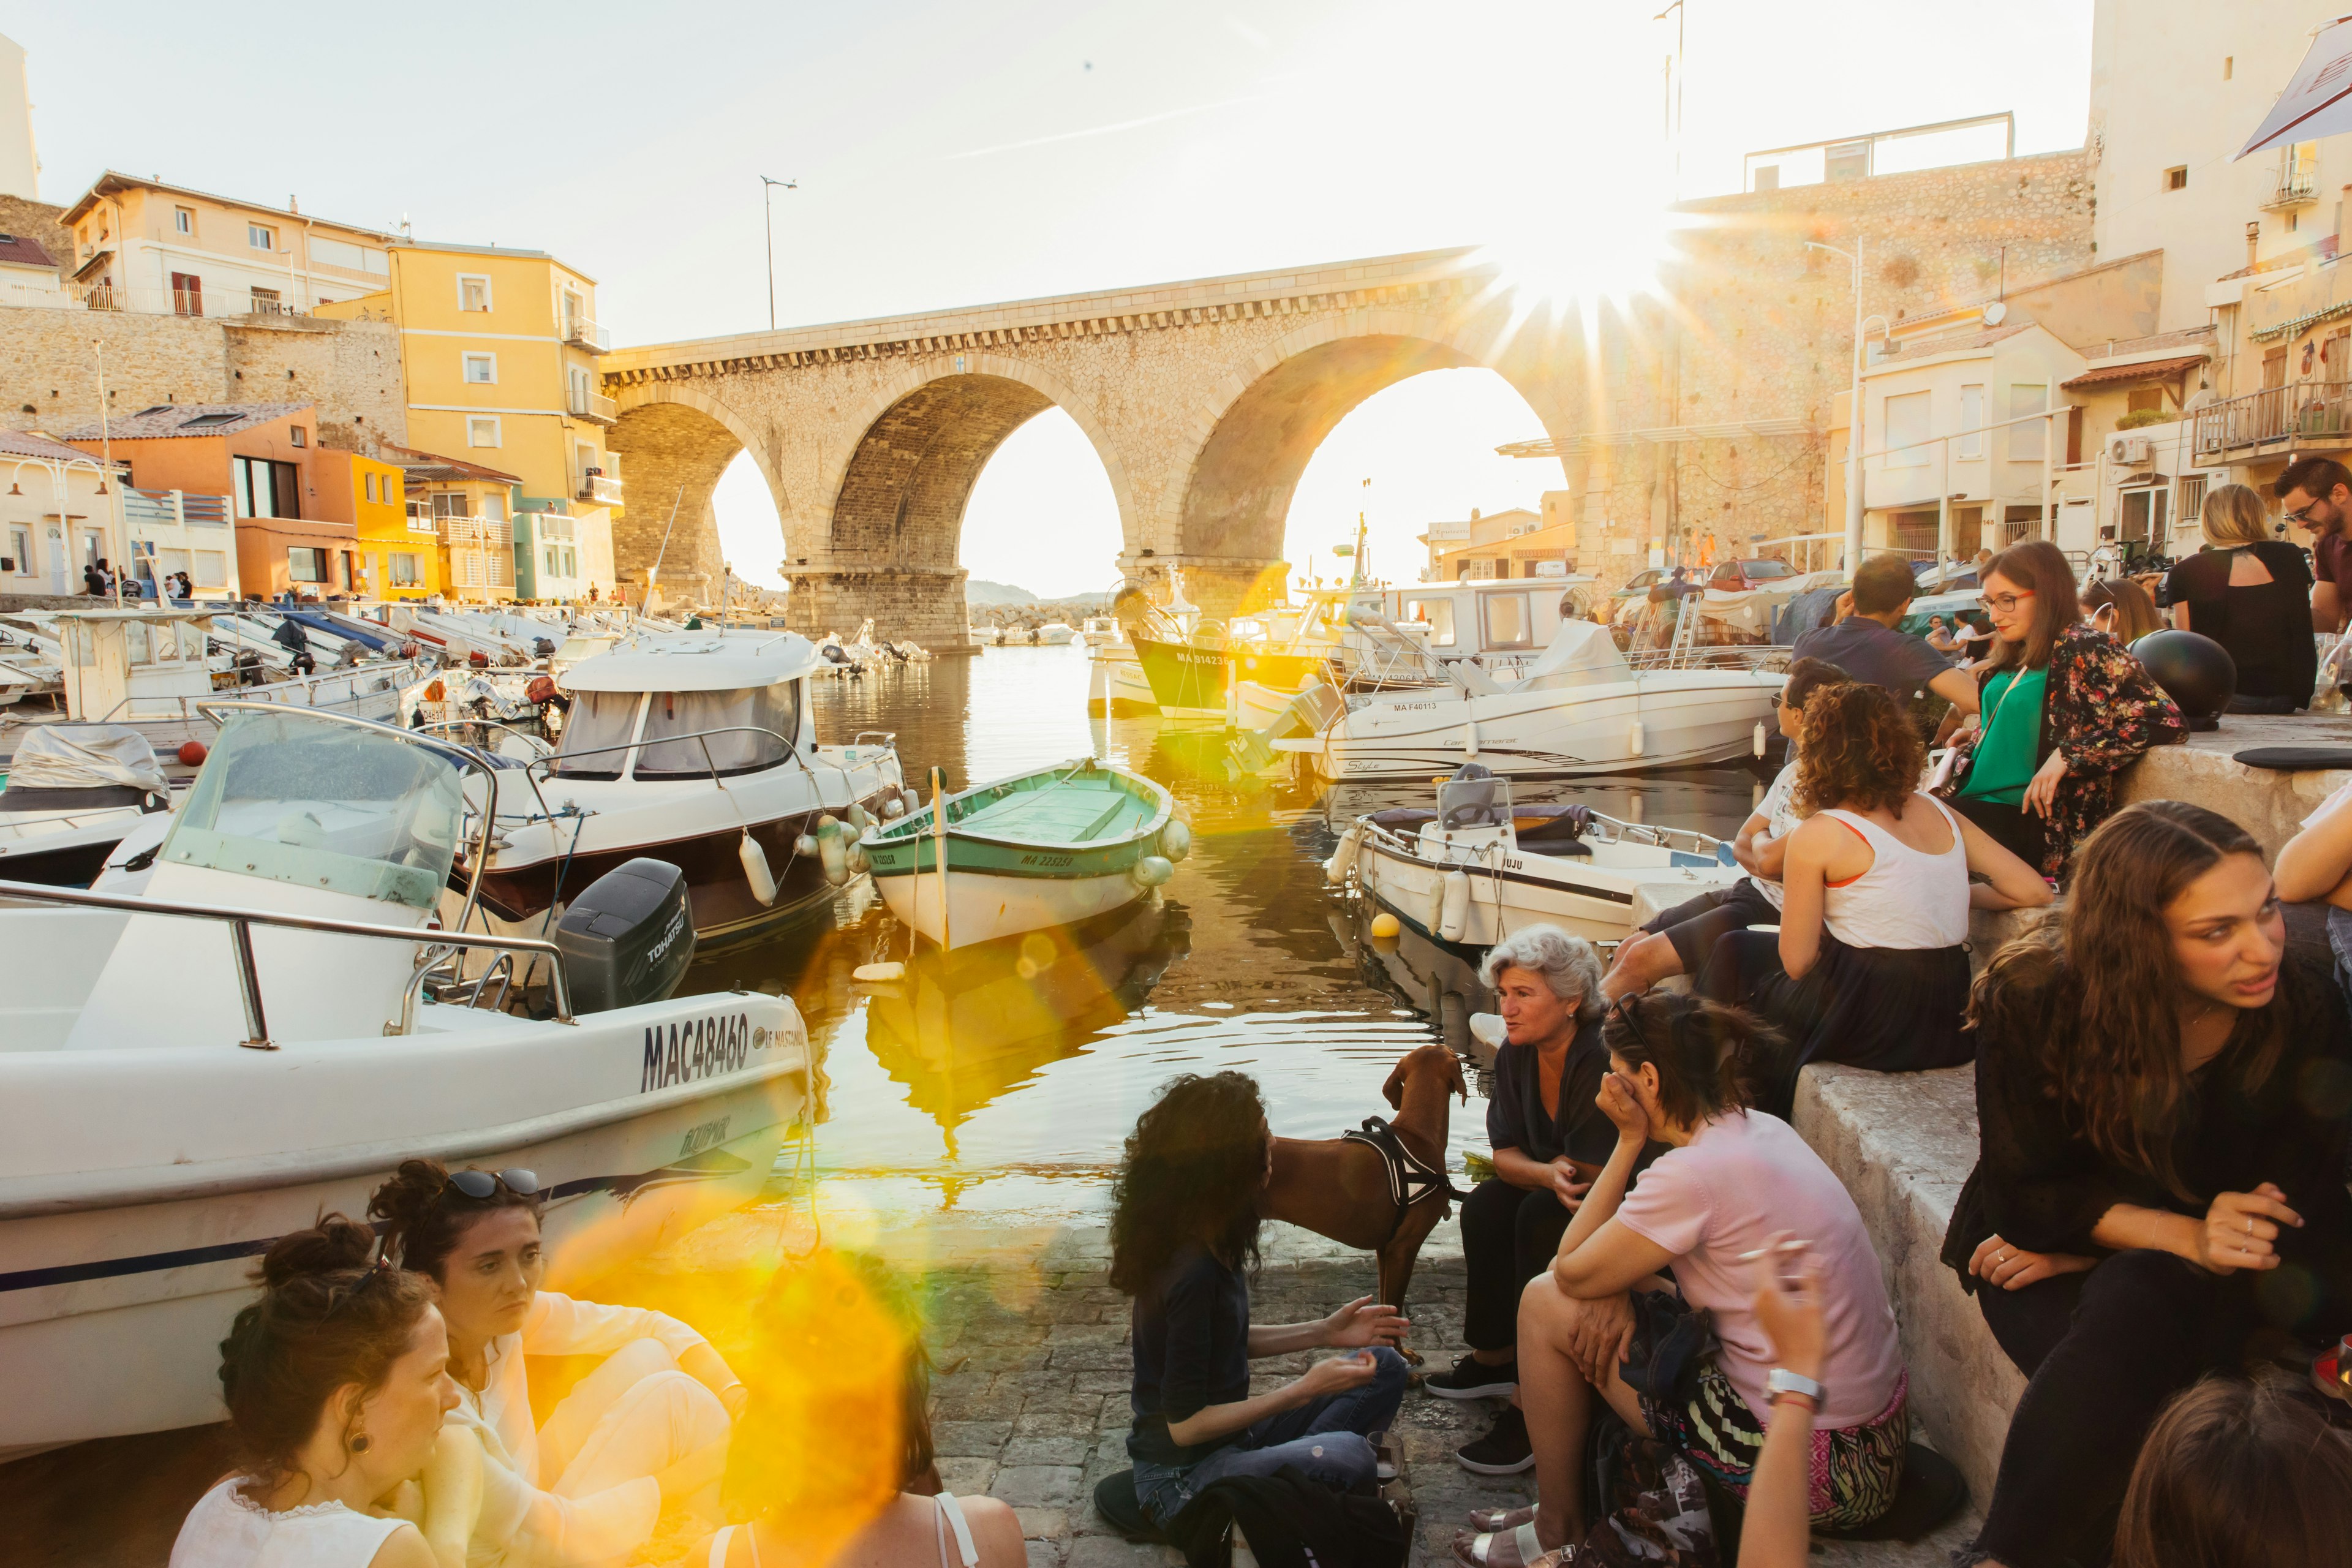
1504,1451
1469,1380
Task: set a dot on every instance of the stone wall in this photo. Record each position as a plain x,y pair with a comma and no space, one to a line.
49,370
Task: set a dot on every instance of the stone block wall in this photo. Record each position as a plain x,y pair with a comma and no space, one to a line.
920,606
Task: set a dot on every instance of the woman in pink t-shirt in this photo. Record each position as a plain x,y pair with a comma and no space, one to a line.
1730,1180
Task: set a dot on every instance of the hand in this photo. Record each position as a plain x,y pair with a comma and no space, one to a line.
1844,606
2240,1228
1363,1322
1790,1311
1565,1186
1618,1102
1338,1375
1996,1262
1601,1337
2042,792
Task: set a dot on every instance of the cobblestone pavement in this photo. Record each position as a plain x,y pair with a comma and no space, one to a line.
1030,1399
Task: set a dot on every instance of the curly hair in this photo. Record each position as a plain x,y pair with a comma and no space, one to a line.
425,1217
2094,988
1193,1172
329,1316
1857,750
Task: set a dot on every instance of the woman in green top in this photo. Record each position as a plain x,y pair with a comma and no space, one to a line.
2064,707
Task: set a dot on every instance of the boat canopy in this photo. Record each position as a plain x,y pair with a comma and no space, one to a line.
690,661
1581,654
85,756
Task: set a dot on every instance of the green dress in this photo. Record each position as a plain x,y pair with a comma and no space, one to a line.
2005,759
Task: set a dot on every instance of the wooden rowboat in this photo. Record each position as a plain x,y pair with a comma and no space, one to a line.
1033,852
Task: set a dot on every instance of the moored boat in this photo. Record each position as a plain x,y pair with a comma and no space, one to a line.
72,792
1027,853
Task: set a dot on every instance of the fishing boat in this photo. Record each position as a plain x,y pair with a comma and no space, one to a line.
72,791
273,1025
1027,853
1476,869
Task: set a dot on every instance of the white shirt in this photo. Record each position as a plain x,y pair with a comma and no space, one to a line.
515,1502
1779,810
226,1530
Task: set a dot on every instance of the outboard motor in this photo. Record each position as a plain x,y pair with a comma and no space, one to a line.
542,647
627,939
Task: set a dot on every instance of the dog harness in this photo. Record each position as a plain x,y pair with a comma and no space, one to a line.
1412,1178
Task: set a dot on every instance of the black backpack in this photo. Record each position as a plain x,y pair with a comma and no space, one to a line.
1291,1522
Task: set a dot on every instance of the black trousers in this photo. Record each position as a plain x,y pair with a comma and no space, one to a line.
2010,827
2104,1353
1509,1236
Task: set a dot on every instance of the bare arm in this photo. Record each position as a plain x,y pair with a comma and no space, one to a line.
1598,1257
709,1368
1744,842
2014,884
1804,879
1333,1376
2238,1231
453,1494
1957,688
2316,863
1778,1532
2180,617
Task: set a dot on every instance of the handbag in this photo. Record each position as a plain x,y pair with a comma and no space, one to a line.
1672,1341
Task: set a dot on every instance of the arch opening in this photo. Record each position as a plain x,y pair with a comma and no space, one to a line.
672,455
1043,518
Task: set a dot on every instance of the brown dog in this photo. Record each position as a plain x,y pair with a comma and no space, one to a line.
1340,1188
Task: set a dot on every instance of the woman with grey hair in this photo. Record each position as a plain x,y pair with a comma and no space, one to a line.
1549,1139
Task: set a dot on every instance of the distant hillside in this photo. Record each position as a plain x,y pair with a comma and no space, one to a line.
980,591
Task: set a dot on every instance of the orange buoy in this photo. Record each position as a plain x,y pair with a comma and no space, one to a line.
193,753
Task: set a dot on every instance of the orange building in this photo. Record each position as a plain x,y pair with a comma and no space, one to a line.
263,456
398,552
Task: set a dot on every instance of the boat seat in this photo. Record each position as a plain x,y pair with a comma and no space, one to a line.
1118,808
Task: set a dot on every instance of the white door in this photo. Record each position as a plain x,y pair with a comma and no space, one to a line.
57,561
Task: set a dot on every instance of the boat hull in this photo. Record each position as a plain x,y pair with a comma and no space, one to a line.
1513,889
718,895
981,907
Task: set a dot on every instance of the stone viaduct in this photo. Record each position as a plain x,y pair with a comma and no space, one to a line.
1204,401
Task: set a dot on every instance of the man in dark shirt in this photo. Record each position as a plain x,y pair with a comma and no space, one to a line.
2317,494
1866,645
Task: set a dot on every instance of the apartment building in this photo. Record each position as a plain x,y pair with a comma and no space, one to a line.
398,555
144,245
467,510
499,352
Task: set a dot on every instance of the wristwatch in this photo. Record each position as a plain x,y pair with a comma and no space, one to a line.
1782,1381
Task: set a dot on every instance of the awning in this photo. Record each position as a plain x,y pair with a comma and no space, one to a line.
2318,98
82,273
2146,370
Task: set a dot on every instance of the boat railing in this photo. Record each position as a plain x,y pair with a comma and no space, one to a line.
185,705
241,922
1689,840
889,737
792,752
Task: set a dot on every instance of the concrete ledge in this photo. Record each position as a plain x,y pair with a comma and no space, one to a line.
1903,1144
2270,806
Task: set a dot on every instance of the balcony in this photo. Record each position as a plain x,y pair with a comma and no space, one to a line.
2297,187
596,406
475,533
582,334
2310,415
598,489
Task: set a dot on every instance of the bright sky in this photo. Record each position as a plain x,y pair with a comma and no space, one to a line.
958,153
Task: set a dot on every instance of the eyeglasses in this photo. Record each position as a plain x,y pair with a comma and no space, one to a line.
480,1184
1624,1007
338,1295
2007,603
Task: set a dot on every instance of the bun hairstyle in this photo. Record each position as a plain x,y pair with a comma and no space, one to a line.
1698,1047
425,1217
330,1314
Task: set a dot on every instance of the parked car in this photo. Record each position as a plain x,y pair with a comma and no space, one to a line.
1636,587
1745,576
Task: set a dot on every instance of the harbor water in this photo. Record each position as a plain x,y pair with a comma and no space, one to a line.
1003,1084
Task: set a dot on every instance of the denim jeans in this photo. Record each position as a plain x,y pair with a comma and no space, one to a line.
1325,1438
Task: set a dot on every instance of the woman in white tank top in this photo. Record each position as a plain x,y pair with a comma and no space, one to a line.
1870,965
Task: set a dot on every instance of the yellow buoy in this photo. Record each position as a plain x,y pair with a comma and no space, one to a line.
874,974
1386,925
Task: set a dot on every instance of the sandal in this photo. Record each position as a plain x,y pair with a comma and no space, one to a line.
1516,1548
1500,1519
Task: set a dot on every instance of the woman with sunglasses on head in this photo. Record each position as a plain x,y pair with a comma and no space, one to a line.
1733,1187
2161,1097
336,1381
1870,965
2062,708
648,1428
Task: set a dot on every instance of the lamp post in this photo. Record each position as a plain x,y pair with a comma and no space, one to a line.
1854,409
767,213
113,495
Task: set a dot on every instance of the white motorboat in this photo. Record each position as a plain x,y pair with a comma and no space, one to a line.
1582,709
1101,631
698,748
72,792
1056,634
273,1026
1476,870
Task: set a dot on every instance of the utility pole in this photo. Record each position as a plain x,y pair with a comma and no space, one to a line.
767,213
113,492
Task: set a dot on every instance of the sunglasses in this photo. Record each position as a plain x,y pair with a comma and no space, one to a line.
480,1184
341,1295
1626,1008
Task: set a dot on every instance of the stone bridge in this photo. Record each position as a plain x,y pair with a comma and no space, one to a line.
1204,401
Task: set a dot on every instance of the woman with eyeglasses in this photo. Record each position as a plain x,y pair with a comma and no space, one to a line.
2062,709
337,1382
1870,964
647,1428
2162,1096
1734,1189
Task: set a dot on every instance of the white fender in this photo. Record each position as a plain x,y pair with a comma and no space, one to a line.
1152,872
1176,838
755,870
1433,914
1454,906
833,847
1634,741
1759,737
1343,856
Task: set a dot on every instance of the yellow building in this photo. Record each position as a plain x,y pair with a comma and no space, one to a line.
466,510
399,555
498,351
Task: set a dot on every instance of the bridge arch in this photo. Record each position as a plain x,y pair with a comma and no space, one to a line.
674,442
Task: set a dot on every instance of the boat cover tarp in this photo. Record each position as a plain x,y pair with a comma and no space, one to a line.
1582,653
337,626
85,756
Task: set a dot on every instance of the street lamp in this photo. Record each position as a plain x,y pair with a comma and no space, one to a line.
768,212
1853,408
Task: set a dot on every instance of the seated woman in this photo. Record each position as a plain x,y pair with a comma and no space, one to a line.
2062,709
1708,1209
1678,940
2154,1144
2250,591
648,1427
2121,608
1548,1139
837,1348
1184,1226
1869,966
337,1381
2239,1473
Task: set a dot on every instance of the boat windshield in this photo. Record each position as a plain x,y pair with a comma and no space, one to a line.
1474,802
317,803
741,714
596,733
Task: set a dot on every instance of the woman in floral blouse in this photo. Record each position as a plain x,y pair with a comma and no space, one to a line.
2064,708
